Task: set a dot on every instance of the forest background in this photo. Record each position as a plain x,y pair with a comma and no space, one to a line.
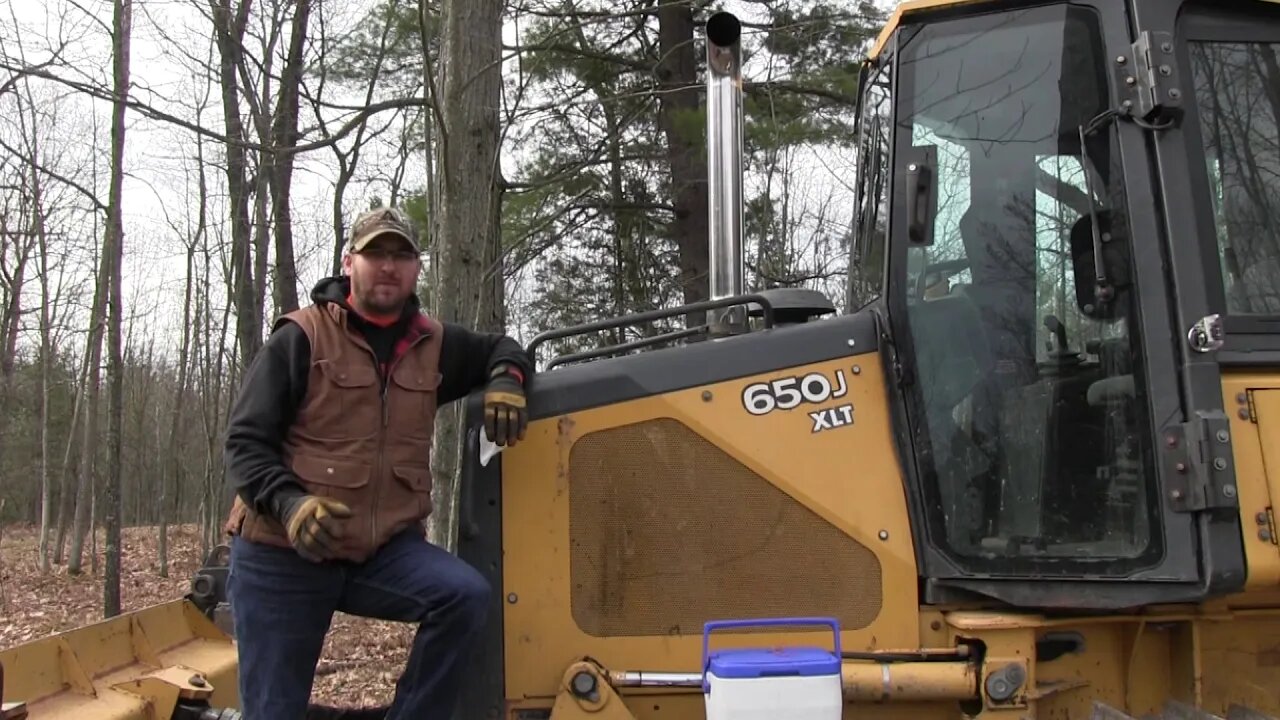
176,173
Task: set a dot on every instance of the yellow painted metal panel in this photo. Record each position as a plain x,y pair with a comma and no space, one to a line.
911,7
1266,404
1256,451
1132,663
1241,663
909,681
129,666
915,7
848,476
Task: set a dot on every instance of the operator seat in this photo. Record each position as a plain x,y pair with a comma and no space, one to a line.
952,356
951,348
1001,251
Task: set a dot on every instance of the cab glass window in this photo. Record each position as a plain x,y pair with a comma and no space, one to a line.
1029,414
866,276
1237,94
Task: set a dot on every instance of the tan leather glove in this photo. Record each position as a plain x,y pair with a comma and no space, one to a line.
315,526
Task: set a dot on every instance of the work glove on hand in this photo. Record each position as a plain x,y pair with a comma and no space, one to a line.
315,526
505,416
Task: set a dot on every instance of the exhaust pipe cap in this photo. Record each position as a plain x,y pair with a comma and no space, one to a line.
723,29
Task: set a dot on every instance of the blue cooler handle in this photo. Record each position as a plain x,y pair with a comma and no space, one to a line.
767,622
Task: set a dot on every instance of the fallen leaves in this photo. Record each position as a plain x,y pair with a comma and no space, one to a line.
361,661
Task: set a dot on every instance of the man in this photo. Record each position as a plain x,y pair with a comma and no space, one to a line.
328,449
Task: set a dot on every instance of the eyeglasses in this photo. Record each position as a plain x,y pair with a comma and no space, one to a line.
378,255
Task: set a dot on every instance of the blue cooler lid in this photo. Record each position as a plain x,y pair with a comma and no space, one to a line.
757,662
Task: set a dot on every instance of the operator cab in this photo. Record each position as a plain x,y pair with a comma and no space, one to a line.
1009,229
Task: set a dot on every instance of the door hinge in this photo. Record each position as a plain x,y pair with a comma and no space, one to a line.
1198,463
1155,93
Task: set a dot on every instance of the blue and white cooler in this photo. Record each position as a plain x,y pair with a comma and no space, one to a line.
772,683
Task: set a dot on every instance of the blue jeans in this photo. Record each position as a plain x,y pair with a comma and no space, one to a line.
283,604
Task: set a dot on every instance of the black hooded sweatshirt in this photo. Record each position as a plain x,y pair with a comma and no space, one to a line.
276,384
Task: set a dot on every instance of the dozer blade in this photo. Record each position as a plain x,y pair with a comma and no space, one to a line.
1174,710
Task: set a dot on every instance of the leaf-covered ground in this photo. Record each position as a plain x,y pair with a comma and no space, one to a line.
361,660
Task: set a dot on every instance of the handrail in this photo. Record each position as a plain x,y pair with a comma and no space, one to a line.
650,315
611,349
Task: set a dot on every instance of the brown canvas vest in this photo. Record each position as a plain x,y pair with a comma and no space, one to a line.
356,439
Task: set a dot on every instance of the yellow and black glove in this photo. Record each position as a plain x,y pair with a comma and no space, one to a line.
315,526
505,415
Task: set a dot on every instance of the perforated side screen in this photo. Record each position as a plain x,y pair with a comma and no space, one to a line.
668,532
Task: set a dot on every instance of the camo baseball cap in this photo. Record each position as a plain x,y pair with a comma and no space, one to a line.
381,221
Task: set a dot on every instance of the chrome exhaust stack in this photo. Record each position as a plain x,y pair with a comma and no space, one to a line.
724,170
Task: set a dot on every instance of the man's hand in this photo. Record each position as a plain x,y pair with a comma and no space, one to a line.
505,416
315,526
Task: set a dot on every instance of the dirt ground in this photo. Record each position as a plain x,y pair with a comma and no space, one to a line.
361,660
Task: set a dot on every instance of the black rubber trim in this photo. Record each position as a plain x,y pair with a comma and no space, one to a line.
1070,596
1253,350
483,693
1191,264
574,388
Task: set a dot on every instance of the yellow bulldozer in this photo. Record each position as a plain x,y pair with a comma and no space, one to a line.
1029,471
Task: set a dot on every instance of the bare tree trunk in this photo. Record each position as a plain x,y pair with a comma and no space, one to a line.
466,232
66,498
173,469
114,253
222,393
284,136
46,350
677,74
86,488
229,30
10,325
86,483
215,382
93,532
4,598
38,230
202,339
430,114
209,397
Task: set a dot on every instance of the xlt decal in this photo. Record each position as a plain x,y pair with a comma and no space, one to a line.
832,418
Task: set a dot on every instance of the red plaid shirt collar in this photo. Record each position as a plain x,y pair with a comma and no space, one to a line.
418,327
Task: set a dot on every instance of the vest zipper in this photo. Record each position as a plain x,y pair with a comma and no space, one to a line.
379,460
382,432
375,473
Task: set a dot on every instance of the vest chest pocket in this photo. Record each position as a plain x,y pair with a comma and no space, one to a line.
345,401
413,409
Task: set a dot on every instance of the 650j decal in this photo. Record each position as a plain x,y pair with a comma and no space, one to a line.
790,392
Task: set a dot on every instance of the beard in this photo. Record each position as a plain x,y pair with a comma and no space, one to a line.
381,299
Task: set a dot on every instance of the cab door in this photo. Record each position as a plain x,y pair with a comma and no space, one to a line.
1219,163
1057,404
